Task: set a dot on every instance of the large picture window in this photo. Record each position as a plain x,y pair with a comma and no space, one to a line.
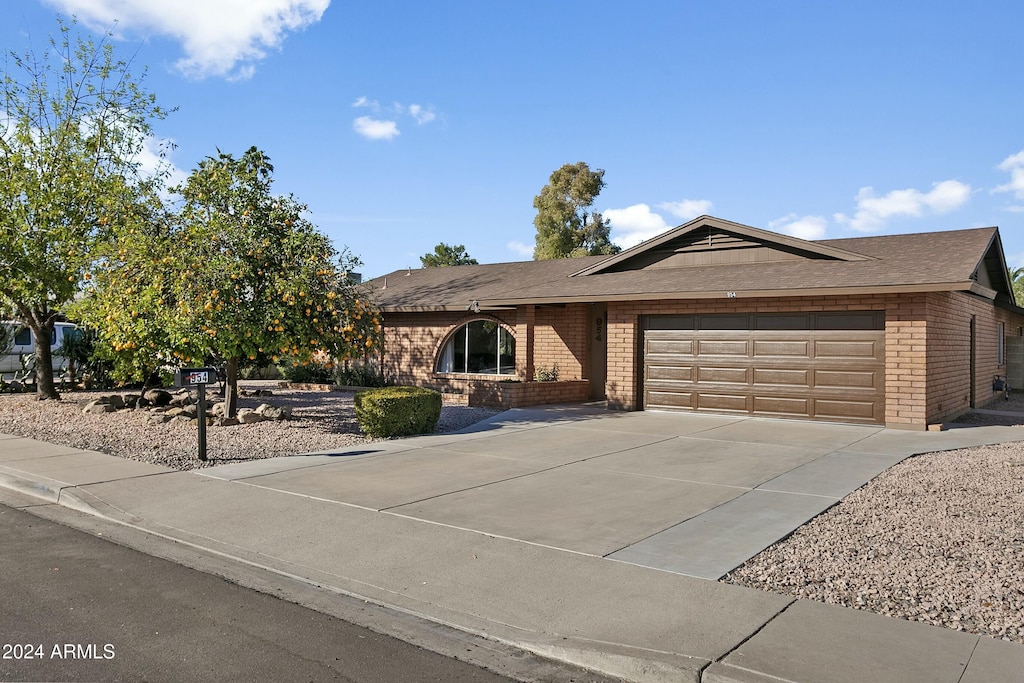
480,347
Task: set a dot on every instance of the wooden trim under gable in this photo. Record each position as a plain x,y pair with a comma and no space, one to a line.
734,229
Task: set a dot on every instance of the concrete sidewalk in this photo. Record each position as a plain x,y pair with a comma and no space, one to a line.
295,517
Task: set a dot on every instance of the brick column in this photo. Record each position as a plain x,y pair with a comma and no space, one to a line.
526,318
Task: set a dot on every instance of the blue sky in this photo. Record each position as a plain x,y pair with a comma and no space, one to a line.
406,124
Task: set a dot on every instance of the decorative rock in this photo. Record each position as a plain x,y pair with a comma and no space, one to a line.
181,419
157,397
97,408
217,409
182,399
159,418
248,417
225,421
270,412
189,411
113,400
131,400
174,412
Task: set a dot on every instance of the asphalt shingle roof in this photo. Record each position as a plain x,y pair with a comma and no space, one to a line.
931,260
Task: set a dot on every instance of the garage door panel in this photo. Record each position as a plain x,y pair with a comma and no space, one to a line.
782,377
783,348
669,399
839,409
722,347
852,348
683,347
847,379
831,374
723,402
679,373
725,375
778,405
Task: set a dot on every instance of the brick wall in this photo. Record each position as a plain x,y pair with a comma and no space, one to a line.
515,394
949,351
560,336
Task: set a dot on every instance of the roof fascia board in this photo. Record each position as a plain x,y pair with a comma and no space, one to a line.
752,294
996,242
722,224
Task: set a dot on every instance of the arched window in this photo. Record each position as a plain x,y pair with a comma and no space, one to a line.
480,347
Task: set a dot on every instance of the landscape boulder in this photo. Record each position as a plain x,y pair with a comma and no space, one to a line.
157,397
97,408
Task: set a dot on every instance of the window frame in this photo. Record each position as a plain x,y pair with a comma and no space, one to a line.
463,330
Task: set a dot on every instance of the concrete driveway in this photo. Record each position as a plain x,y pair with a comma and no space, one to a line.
691,494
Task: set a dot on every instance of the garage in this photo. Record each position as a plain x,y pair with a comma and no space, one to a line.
817,366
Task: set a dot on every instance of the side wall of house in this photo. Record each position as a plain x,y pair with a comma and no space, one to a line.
949,351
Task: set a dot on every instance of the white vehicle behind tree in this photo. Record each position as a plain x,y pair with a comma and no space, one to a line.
23,347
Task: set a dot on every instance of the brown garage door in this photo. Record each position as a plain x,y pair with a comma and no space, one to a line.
825,366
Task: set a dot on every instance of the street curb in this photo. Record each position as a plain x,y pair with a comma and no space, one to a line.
49,490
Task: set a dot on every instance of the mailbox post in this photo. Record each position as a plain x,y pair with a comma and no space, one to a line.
199,378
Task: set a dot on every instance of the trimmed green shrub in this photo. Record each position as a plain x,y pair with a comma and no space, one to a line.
397,411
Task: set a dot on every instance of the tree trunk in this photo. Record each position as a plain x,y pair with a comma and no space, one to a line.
45,388
231,388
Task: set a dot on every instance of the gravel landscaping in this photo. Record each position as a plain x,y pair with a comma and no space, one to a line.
320,421
939,538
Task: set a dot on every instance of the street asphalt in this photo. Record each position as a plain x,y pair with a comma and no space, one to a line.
587,536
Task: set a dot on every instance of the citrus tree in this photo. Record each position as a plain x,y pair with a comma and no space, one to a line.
72,123
237,273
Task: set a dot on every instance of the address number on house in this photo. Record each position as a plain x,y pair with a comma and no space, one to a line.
190,377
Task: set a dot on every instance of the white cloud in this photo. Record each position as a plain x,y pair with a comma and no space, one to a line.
688,209
422,115
386,129
1014,164
803,227
375,129
365,102
520,248
634,224
873,212
219,37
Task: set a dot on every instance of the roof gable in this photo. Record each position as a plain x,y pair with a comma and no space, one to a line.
992,272
709,241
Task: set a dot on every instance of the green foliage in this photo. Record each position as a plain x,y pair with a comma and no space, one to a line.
238,274
397,411
565,225
310,372
545,374
360,374
1017,282
447,255
74,123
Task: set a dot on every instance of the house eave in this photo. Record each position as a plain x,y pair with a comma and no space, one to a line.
751,294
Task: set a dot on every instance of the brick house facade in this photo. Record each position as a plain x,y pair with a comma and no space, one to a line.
767,325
